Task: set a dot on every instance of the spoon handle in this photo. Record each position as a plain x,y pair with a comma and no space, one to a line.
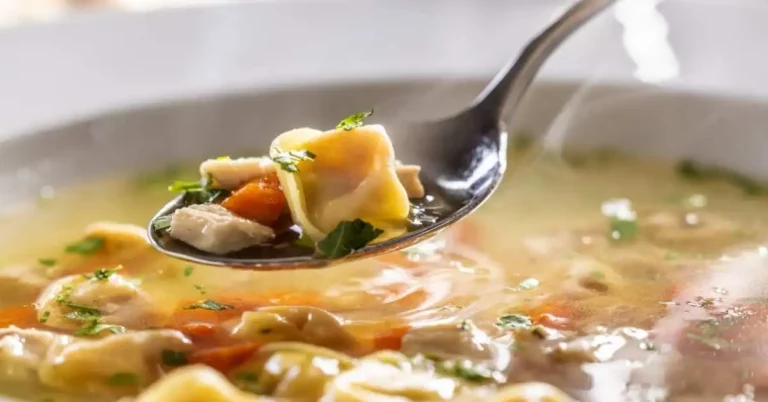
511,83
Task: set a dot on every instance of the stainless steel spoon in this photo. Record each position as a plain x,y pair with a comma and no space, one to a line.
463,158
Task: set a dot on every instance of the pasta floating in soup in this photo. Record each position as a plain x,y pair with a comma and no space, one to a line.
596,278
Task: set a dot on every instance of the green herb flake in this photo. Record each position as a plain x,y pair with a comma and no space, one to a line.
162,222
289,160
188,270
174,358
196,192
200,289
354,121
209,304
623,229
123,380
466,370
304,241
83,315
87,246
247,381
44,318
514,322
48,262
94,327
347,237
597,274
103,274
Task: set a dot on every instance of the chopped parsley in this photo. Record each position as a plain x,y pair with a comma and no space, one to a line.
623,229
304,241
289,160
94,327
347,237
103,274
197,192
354,121
696,171
48,262
200,289
87,246
123,380
209,304
174,358
89,316
188,270
514,322
247,381
162,222
466,370
45,316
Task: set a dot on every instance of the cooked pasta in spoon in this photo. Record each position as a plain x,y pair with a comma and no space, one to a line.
341,188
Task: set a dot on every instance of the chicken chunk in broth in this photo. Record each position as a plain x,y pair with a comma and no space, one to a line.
610,279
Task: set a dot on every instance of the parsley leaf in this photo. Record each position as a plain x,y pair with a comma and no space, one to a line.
209,304
347,237
514,322
48,262
289,160
188,270
200,289
87,246
103,274
162,222
94,327
196,192
353,121
123,379
248,382
174,357
623,229
45,316
83,315
304,241
466,370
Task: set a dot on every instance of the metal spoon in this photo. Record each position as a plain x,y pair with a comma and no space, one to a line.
463,159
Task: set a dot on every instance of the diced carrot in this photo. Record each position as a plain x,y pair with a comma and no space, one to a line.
20,316
224,358
553,313
260,200
199,330
391,339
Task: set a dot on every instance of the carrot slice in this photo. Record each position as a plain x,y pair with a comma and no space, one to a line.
20,316
260,200
391,339
224,358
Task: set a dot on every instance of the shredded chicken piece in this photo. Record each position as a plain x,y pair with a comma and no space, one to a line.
214,229
232,173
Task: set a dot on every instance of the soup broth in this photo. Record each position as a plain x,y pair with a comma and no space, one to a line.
609,277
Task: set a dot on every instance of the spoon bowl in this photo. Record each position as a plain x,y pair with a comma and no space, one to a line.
463,159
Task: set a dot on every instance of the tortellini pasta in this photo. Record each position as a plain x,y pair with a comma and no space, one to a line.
351,177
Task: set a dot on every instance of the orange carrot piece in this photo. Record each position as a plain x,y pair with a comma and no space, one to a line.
20,316
224,358
391,339
260,200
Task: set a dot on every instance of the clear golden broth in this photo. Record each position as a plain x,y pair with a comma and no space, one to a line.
544,220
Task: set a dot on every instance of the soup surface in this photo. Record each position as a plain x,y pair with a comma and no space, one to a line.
603,276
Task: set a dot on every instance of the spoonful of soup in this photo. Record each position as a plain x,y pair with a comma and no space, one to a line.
322,196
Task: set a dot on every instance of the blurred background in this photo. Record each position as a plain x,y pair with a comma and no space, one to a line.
14,12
